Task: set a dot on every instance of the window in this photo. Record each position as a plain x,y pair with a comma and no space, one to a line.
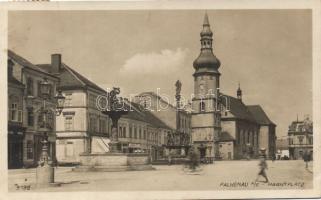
145,134
140,133
135,132
30,117
38,89
68,99
41,120
51,92
68,123
124,132
300,139
120,132
15,109
130,132
50,121
29,87
14,112
202,106
69,149
102,126
29,149
244,137
93,124
92,100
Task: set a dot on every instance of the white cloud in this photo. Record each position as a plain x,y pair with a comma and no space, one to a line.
162,62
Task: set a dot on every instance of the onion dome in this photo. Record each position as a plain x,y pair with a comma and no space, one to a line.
206,61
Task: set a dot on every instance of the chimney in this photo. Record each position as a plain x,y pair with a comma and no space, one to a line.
55,63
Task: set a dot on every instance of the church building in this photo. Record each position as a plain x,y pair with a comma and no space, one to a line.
224,127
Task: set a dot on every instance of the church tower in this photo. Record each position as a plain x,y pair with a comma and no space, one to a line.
206,120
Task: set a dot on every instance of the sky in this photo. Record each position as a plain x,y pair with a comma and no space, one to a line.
268,51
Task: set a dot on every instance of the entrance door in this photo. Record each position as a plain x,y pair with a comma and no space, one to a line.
15,154
202,152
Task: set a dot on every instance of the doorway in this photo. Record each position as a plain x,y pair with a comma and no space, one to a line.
15,158
202,152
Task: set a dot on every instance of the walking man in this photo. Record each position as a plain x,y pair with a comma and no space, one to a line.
263,166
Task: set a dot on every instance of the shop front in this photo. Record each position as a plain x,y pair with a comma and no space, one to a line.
15,146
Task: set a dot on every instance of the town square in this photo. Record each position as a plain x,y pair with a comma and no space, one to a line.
159,100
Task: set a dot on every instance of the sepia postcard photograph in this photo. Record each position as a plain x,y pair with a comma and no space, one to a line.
160,100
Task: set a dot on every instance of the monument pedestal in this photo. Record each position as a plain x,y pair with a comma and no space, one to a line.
45,176
112,162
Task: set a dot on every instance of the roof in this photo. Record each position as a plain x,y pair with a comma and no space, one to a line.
157,96
25,63
301,126
239,109
69,78
225,136
13,80
259,115
137,112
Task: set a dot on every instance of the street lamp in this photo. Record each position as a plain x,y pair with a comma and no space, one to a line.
45,171
60,100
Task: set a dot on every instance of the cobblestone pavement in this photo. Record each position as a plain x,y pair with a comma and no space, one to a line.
223,175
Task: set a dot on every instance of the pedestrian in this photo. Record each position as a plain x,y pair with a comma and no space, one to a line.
306,158
169,159
273,157
263,166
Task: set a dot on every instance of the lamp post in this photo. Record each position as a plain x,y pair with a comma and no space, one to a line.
45,169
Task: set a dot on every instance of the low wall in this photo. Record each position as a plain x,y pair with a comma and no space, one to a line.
113,159
137,159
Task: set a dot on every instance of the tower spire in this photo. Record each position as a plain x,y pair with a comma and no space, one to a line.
239,92
206,60
206,22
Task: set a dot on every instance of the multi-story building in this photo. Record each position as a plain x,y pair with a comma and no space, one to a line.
178,120
81,127
300,136
30,106
223,126
141,131
16,130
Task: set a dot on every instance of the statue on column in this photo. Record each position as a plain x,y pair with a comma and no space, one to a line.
114,110
178,86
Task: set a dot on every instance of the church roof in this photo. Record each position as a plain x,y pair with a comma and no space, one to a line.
259,115
70,79
225,137
239,109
